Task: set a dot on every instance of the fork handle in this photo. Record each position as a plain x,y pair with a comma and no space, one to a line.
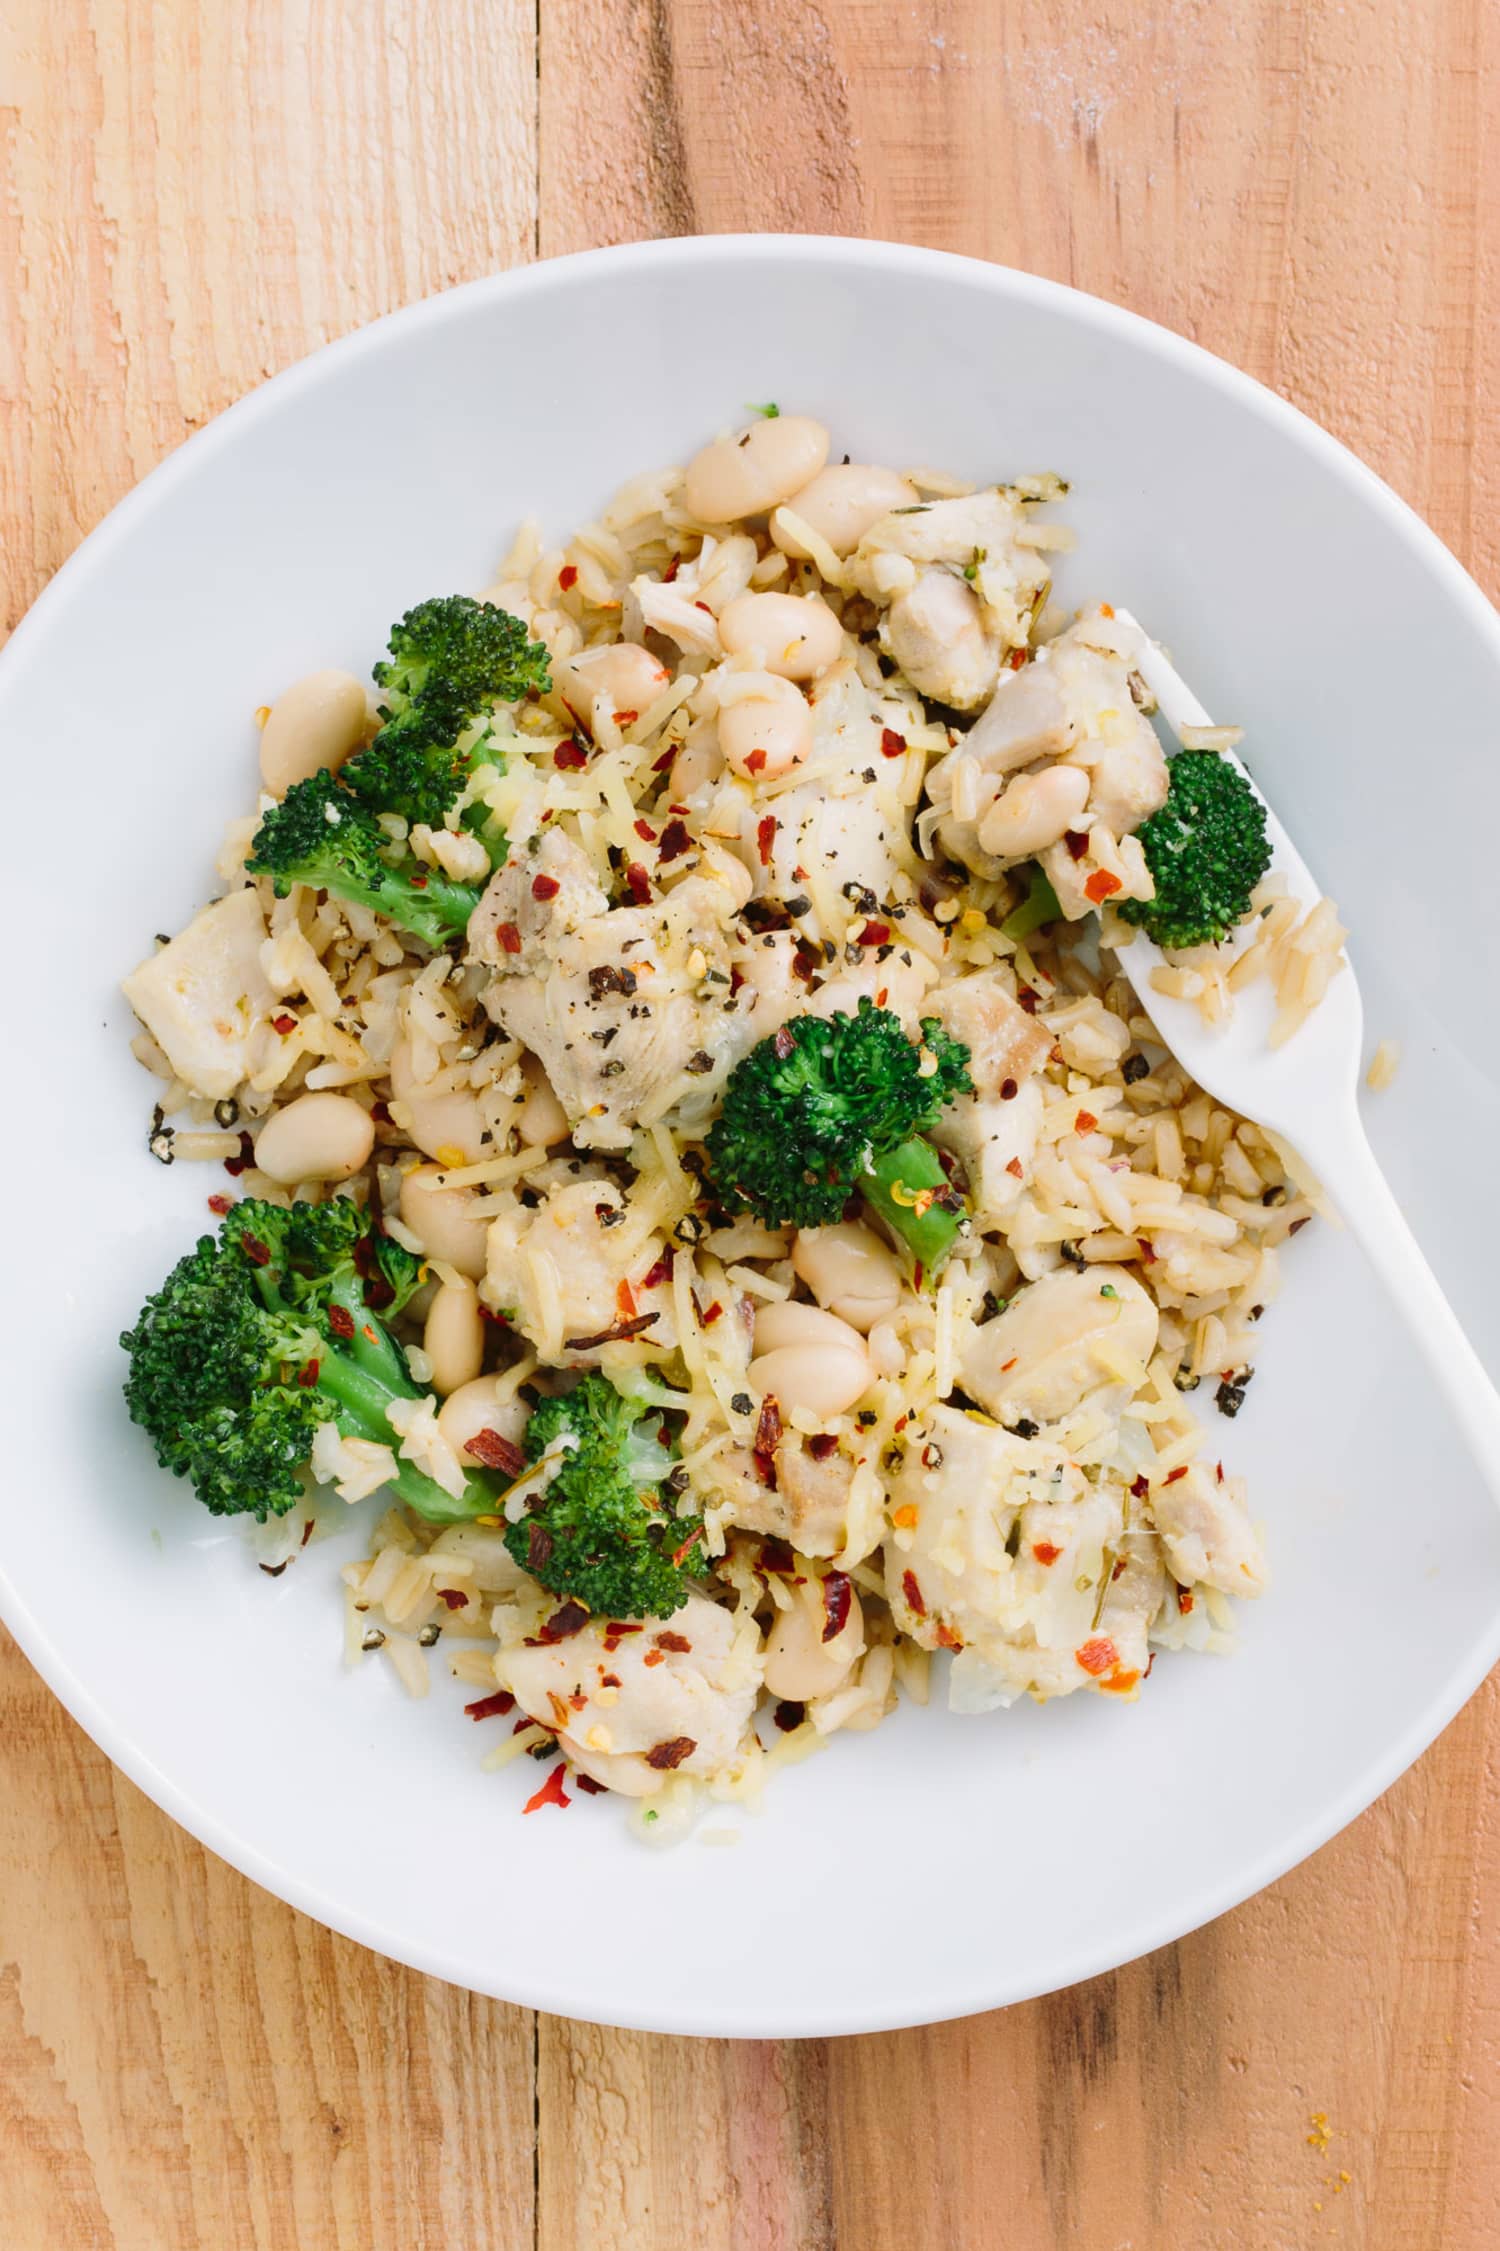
1345,1162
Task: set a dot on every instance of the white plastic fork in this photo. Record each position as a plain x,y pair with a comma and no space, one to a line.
1306,1093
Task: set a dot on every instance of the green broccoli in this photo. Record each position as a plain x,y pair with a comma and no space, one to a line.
451,660
262,1333
602,1532
822,1111
320,834
1206,849
1039,907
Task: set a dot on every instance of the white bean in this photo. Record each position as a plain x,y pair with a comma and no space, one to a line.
1033,811
850,1271
821,1375
765,725
699,762
800,1664
1038,1360
453,1337
317,1137
541,1120
447,1126
754,471
484,1403
630,676
789,1323
444,1220
795,635
840,505
316,722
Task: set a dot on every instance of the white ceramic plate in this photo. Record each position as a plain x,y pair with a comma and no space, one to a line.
942,1865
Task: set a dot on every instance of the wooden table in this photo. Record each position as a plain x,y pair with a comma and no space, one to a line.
193,194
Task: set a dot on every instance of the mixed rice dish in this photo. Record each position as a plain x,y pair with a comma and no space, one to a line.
691,1145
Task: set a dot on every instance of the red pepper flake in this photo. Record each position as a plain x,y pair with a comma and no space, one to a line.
283,1024
1219,1472
671,570
1106,609
509,937
782,1043
625,1304
948,1638
710,1314
737,982
492,1707
1008,1090
677,1643
626,718
455,1597
645,832
1085,1122
892,745
618,1628
1007,1365
913,1593
567,577
609,1680
675,840
570,755
1016,1168
1119,1567
671,1753
755,762
570,1619
495,1452
1044,1551
1017,658
1174,1474
679,1555
776,1555
1120,1682
551,1791
1140,1487
838,1594
539,1546
788,1715
221,1205
1077,841
765,837
1143,1245
417,882
341,1320
545,887
655,1275
234,1166
308,1376
638,883
768,1428
874,934
822,1444
1097,1656
1101,885
805,967
1027,999
255,1250
1185,1600
594,1789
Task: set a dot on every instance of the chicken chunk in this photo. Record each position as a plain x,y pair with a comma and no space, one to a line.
822,840
808,1504
576,1268
1005,1043
775,989
513,927
667,1696
982,536
204,995
1207,1533
936,634
994,1130
1081,1336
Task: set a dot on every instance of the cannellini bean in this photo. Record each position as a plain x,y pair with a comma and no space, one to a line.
840,505
1060,1341
699,762
936,634
800,1664
766,727
444,1220
317,1137
627,674
495,1569
484,1403
850,1271
453,1338
757,469
795,635
448,1126
789,1323
727,868
541,1120
316,722
1033,811
810,1359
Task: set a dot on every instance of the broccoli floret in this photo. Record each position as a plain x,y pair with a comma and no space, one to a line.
322,836
1039,907
822,1111
1206,849
602,1532
451,660
262,1333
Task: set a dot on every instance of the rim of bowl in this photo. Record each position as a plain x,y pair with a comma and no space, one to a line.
1148,1930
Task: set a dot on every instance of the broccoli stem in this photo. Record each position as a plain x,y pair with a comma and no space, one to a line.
361,1397
911,1167
1039,907
436,913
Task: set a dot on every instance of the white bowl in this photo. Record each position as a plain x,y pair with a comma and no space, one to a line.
942,1865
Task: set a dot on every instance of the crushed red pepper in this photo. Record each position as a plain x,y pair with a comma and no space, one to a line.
496,1452
492,1707
551,1792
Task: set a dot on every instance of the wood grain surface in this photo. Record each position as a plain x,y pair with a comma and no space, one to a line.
194,193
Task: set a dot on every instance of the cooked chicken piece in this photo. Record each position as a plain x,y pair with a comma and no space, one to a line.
576,1267
807,1505
850,719
820,841
994,1130
936,634
980,533
513,927
1207,1532
1080,1335
630,1708
996,1142
1005,1043
204,995
1110,867
774,990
